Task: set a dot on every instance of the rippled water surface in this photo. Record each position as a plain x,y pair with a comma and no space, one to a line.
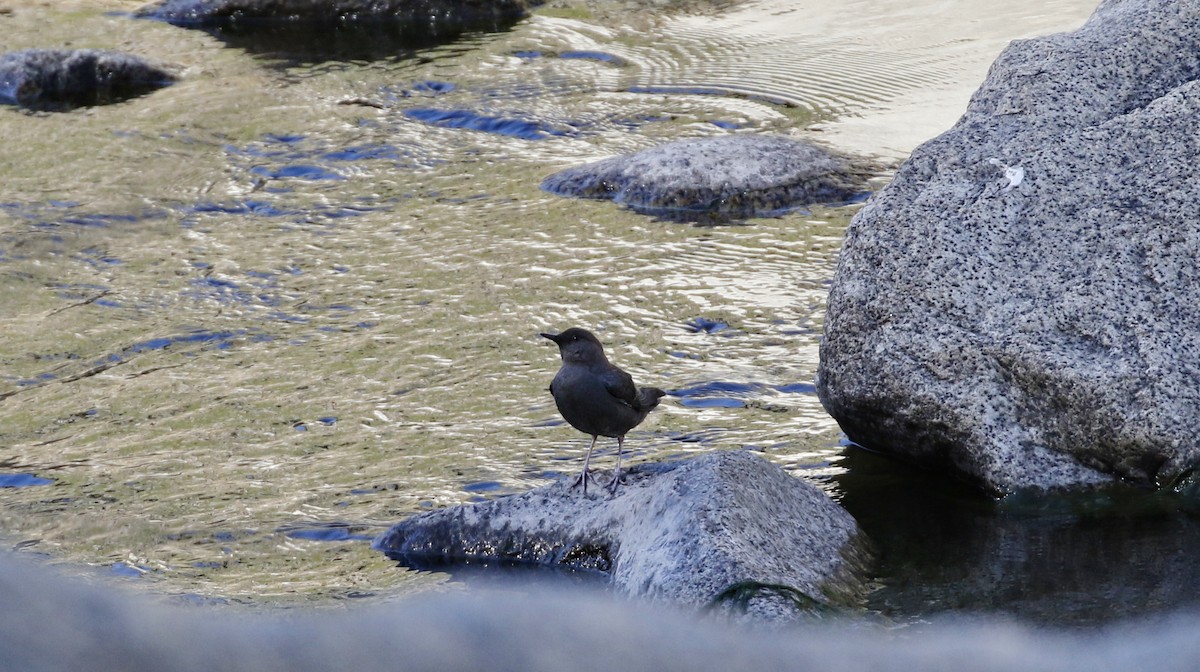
255,317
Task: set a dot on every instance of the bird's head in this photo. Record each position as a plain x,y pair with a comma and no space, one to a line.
578,345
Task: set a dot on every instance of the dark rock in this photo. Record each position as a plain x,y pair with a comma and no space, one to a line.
1022,303
727,529
229,12
263,12
323,30
722,177
56,79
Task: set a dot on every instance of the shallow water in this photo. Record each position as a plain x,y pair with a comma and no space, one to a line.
256,317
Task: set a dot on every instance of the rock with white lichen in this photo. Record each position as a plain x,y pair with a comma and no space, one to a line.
1022,303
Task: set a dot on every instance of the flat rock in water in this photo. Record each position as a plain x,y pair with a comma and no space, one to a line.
727,529
722,177
52,79
1022,302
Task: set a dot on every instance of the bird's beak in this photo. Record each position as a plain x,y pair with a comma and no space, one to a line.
553,337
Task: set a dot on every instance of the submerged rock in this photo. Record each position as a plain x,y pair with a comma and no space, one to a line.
49,79
1022,302
722,177
728,529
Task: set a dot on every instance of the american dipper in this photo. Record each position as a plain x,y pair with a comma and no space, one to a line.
596,397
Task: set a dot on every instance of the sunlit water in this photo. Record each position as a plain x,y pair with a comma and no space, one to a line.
254,318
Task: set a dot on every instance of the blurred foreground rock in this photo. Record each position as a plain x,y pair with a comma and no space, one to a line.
727,529
1022,303
53,623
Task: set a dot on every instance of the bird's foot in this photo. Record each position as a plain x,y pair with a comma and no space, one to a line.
617,479
583,477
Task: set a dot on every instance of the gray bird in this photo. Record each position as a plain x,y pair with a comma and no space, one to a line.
596,397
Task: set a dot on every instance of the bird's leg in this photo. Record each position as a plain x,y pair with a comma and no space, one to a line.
585,475
616,479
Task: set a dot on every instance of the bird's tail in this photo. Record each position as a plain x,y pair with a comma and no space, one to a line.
647,398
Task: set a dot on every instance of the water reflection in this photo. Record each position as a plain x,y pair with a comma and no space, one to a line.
293,43
1063,560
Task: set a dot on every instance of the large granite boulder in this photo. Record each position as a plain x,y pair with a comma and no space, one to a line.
727,529
1022,302
57,79
725,177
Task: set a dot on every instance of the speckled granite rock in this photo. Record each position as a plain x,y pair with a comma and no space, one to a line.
727,529
1022,302
722,177
48,79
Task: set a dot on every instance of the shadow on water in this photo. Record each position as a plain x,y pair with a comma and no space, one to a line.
715,214
506,574
1067,560
312,42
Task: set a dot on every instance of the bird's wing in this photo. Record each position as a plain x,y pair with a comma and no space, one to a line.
620,385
